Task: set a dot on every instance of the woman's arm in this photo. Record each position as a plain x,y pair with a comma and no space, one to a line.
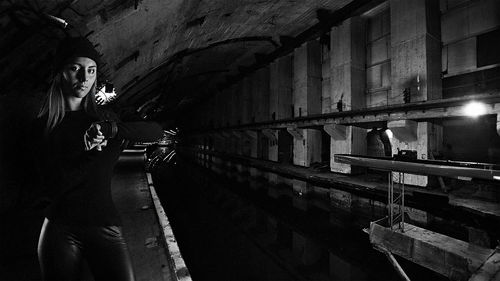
133,131
141,131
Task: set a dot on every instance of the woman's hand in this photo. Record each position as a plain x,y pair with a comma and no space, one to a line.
94,138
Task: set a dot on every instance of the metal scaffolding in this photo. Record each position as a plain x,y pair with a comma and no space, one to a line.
396,201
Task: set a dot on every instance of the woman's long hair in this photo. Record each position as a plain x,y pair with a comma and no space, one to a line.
54,106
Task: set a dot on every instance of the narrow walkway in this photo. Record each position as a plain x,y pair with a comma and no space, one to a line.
142,232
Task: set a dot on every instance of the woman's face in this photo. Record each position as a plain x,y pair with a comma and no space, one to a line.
79,75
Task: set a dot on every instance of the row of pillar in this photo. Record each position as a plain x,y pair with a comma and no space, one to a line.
305,83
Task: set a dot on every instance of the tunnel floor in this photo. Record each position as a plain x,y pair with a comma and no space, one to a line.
230,231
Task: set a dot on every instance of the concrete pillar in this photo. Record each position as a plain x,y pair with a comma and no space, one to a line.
280,84
241,169
423,137
326,100
272,179
254,177
347,66
238,102
272,229
272,136
300,191
231,104
280,99
219,109
345,140
223,104
415,50
306,250
239,140
416,70
251,143
209,113
301,187
260,109
260,92
246,100
306,101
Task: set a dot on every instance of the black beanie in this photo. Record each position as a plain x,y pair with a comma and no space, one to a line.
71,47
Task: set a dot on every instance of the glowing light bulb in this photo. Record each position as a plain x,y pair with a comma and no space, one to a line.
474,109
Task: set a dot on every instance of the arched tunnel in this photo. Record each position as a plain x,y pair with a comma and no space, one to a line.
299,140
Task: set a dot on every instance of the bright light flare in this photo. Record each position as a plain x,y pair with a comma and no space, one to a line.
474,109
103,98
389,133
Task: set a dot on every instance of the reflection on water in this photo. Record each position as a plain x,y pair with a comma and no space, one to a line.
250,231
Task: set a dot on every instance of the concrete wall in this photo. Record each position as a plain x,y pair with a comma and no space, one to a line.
371,60
461,24
378,59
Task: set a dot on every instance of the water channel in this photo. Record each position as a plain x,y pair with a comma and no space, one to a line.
230,230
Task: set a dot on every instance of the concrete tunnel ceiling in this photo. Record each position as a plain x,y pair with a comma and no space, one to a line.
173,52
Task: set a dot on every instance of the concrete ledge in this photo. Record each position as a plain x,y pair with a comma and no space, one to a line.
453,258
179,266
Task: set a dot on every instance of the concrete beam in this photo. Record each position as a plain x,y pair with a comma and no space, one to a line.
337,132
272,135
251,134
297,134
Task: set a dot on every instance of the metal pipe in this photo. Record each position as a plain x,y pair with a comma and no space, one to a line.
424,167
394,263
402,211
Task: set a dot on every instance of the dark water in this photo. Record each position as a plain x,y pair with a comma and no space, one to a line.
240,231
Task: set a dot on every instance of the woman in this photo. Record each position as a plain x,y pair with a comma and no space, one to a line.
79,146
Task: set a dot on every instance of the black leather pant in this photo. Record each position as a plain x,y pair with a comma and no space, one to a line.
62,248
